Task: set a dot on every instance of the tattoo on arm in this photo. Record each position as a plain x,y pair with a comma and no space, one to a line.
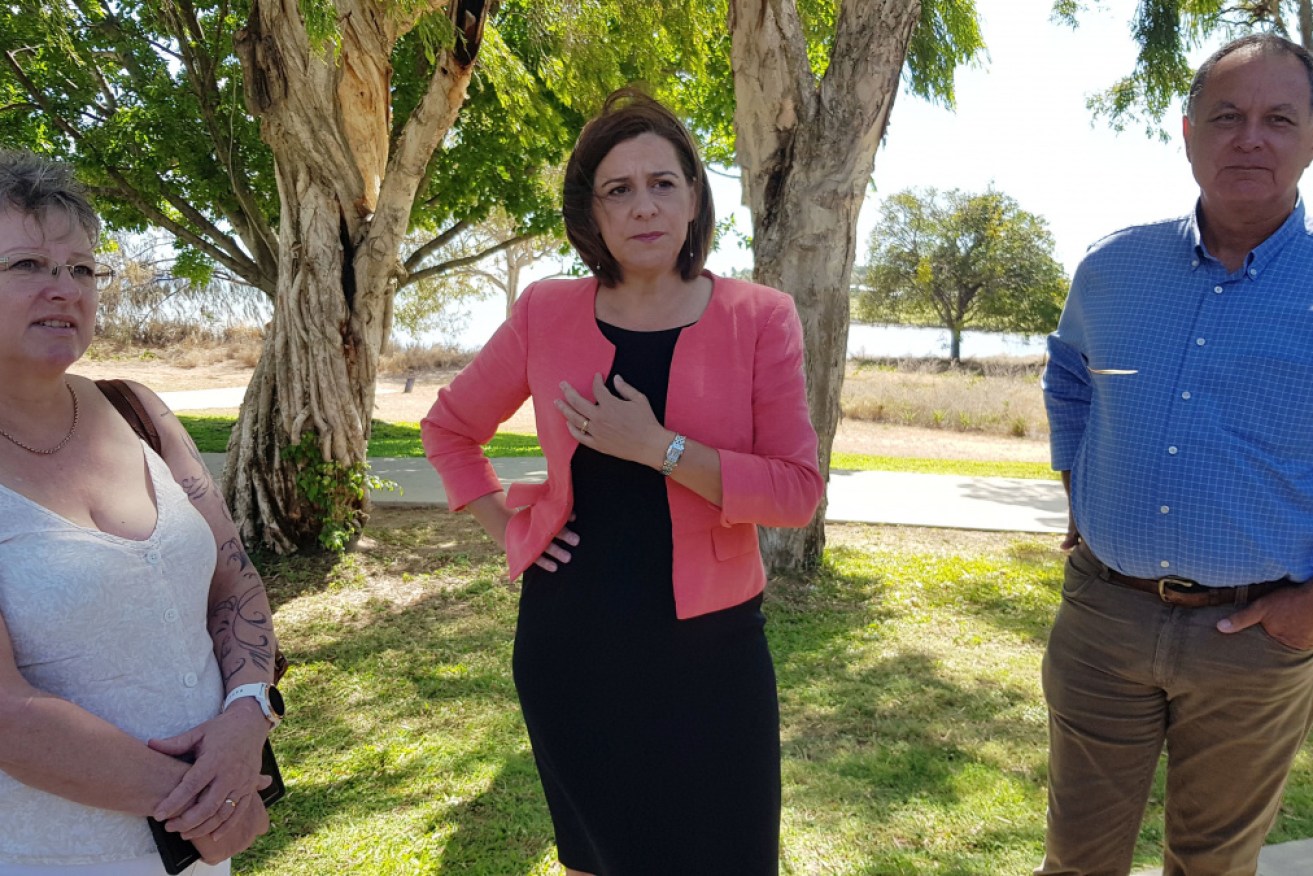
240,625
197,487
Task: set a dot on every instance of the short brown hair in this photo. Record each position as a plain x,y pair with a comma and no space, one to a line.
626,114
31,184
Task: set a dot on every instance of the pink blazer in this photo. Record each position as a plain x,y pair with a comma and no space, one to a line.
736,384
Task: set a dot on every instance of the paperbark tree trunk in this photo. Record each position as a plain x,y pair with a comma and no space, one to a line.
346,189
807,150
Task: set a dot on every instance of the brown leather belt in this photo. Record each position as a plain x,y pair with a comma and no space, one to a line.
1191,594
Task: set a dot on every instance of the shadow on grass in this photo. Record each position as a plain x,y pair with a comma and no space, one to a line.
405,718
405,745
879,741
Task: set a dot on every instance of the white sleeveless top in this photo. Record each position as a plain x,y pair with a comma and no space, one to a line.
118,627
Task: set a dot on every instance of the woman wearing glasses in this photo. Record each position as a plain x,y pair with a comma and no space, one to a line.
671,408
136,647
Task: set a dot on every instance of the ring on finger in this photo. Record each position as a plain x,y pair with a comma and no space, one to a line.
584,427
231,803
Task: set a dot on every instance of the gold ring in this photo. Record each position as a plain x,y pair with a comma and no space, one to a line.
231,802
584,427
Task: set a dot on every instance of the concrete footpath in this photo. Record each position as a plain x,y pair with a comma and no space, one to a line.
896,498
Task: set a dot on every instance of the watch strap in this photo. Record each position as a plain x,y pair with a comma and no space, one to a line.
258,690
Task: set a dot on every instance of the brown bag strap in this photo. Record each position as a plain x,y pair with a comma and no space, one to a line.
122,397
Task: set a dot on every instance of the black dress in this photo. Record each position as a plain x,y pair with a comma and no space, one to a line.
657,740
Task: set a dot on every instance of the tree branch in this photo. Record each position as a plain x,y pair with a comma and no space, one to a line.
453,264
414,260
422,132
258,236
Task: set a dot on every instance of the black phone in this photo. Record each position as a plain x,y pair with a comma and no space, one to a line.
178,854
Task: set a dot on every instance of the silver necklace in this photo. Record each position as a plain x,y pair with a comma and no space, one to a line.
67,438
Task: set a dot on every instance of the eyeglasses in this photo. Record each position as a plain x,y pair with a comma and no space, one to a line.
30,269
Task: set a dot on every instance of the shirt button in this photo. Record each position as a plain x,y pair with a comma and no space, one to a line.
1253,272
1217,289
171,615
1194,263
1164,509
1164,564
189,679
1186,395
1199,342
152,557
1172,450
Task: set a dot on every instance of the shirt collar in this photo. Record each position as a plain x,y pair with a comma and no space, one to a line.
1260,255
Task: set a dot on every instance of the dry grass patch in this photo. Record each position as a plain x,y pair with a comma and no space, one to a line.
994,396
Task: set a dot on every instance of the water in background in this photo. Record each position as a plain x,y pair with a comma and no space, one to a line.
864,341
906,342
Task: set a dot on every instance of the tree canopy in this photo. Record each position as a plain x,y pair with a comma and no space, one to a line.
147,99
1165,31
957,260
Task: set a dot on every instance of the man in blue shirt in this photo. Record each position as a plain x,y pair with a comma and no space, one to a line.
1180,399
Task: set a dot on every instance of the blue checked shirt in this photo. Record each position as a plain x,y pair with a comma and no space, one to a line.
1180,397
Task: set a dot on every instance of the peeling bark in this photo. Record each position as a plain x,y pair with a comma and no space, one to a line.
345,201
807,150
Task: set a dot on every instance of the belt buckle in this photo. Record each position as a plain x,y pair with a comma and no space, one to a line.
1173,584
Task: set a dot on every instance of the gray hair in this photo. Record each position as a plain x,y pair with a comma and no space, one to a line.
31,184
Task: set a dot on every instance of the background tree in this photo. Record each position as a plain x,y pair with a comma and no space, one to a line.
147,302
485,258
960,260
814,84
1165,31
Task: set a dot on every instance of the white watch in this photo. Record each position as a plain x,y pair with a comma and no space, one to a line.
265,695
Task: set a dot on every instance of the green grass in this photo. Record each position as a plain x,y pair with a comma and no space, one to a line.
402,440
913,725
386,439
964,467
209,433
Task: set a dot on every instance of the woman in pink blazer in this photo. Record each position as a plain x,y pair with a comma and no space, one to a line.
672,412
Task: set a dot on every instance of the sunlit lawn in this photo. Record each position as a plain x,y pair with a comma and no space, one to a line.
402,440
913,726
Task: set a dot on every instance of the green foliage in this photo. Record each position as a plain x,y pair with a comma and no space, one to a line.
955,260
335,491
146,99
101,85
947,37
1165,31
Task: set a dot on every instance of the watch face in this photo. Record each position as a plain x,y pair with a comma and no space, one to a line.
275,700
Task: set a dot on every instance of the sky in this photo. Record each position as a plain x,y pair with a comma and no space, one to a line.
1020,124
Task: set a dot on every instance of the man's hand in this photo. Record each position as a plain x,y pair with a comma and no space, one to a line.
226,751
1072,537
246,823
1286,615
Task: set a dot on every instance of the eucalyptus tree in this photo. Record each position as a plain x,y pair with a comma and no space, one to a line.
294,145
814,83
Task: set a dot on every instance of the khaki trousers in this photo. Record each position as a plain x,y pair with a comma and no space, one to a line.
1125,674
